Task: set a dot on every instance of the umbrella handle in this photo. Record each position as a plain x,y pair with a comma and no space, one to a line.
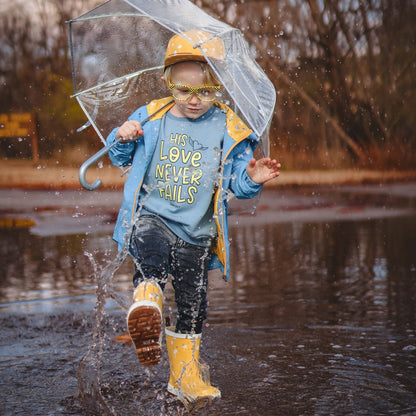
88,163
95,158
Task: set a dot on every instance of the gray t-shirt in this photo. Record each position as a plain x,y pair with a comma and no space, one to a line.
180,182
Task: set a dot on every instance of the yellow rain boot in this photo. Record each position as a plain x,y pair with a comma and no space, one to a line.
189,379
144,321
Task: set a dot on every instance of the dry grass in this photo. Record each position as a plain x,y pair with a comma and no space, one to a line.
49,175
341,177
52,175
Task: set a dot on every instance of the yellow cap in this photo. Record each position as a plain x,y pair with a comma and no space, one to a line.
180,49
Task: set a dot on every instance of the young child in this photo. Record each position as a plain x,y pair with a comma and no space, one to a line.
184,161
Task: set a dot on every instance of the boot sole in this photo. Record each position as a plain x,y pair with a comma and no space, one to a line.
196,404
145,326
176,392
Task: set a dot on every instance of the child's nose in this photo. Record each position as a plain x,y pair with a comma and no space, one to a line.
194,98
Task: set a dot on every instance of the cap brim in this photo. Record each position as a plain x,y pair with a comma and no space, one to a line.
174,59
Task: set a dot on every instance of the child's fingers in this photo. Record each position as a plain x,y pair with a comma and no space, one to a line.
130,130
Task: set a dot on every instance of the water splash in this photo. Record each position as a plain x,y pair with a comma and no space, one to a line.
89,369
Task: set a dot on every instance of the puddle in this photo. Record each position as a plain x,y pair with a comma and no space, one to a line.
318,316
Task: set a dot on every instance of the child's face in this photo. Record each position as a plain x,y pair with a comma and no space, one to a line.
190,74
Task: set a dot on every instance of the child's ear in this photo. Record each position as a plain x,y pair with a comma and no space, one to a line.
164,81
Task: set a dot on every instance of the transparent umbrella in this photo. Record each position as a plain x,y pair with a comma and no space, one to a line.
117,52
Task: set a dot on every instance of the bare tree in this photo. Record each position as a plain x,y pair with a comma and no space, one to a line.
35,68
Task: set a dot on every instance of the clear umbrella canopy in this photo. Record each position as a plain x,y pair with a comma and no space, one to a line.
118,51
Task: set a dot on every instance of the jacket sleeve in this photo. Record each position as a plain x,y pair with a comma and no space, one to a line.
241,184
122,153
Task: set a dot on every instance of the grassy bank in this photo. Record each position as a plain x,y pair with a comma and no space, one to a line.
19,174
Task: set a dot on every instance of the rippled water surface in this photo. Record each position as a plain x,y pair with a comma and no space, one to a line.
318,316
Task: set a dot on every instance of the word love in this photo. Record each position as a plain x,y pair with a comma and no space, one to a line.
176,154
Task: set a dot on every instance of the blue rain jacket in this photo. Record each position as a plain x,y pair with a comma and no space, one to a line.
238,147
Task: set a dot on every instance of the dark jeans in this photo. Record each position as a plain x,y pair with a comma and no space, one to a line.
157,251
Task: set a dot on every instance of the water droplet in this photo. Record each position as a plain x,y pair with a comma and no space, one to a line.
409,348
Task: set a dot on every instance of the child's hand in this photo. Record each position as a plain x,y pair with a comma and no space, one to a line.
263,170
129,131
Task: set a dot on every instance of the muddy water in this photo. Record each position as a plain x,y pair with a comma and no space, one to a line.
318,317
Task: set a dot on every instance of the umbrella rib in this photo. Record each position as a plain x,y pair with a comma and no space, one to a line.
88,16
92,122
117,80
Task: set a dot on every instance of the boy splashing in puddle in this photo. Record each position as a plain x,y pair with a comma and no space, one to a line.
184,162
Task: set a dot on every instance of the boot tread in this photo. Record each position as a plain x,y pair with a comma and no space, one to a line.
145,325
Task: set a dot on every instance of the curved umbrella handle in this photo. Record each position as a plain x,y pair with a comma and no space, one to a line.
88,163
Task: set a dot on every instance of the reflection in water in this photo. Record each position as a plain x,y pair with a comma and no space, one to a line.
34,267
317,316
348,273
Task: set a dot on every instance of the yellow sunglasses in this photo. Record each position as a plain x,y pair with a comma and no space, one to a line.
182,92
